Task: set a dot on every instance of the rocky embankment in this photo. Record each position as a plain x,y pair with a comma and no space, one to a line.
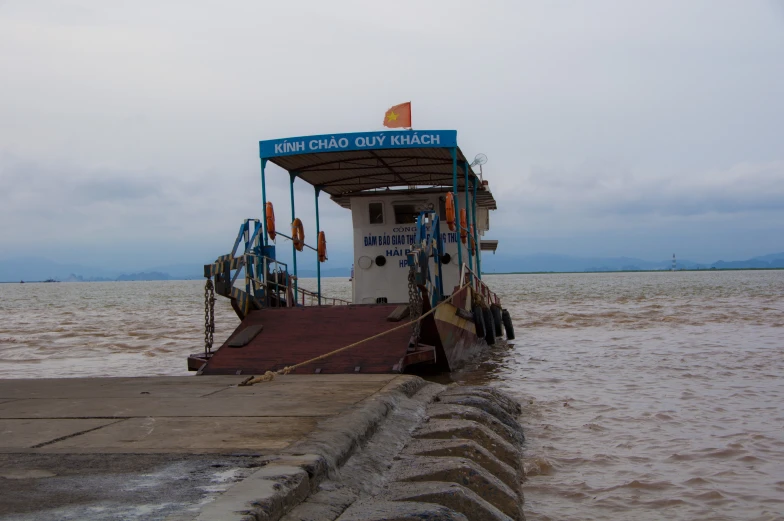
424,451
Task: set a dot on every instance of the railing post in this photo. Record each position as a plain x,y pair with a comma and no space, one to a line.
318,230
265,287
453,152
468,219
292,177
248,275
436,225
264,199
476,234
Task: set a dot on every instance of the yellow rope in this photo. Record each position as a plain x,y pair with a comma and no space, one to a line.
270,375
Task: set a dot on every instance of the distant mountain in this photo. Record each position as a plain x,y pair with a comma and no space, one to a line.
36,268
39,269
542,262
751,263
775,260
771,257
180,271
154,275
78,278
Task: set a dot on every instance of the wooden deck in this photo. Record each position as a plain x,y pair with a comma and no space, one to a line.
293,335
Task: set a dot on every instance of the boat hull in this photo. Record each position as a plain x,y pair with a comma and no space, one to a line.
451,327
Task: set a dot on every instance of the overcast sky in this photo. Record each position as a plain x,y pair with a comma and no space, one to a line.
129,130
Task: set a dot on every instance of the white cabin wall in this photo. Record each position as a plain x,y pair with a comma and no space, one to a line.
482,220
393,241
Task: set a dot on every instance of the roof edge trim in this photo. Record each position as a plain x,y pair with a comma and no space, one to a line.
357,141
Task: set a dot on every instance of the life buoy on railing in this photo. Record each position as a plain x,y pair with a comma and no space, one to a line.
322,247
463,226
270,221
298,234
450,211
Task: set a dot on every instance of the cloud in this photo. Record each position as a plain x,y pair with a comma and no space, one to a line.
144,217
131,131
65,202
606,190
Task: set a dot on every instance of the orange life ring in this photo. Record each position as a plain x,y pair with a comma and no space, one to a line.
450,211
270,221
322,247
463,226
298,234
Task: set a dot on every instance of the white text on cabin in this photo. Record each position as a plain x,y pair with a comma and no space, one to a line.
333,143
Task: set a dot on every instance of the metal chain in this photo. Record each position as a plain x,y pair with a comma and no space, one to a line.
209,315
415,305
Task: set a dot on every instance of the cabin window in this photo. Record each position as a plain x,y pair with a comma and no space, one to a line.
376,213
405,213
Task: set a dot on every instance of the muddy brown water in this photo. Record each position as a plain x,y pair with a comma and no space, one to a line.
646,395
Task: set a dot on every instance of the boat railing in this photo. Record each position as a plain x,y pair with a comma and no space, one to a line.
477,284
277,288
276,281
313,299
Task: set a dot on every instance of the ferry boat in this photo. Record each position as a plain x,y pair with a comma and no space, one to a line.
419,303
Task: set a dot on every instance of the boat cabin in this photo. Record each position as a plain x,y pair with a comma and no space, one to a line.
389,180
385,232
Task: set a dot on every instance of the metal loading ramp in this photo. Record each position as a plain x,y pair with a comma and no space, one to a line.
293,335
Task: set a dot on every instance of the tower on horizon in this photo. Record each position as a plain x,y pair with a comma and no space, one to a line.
673,262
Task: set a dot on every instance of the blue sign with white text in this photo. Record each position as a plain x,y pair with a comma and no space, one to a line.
357,141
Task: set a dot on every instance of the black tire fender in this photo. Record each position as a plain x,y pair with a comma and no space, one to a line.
489,326
507,319
497,320
479,321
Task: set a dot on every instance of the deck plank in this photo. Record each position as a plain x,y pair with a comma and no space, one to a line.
294,335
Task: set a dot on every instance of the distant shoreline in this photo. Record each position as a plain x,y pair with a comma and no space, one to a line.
150,280
711,270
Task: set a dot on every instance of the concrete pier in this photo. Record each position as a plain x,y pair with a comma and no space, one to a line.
302,447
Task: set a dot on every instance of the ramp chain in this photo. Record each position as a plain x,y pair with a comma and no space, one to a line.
415,305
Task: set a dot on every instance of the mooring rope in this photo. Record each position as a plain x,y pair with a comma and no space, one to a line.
270,375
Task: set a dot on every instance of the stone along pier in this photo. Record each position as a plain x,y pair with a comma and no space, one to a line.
301,447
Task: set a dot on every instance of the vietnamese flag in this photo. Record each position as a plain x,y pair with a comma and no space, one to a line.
398,116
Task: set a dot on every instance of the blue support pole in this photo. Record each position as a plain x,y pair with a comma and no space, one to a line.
476,234
292,177
318,230
440,252
248,273
468,220
453,151
264,199
238,240
257,229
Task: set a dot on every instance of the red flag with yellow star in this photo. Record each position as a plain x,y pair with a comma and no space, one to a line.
398,116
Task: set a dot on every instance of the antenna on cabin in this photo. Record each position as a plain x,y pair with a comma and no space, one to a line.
479,160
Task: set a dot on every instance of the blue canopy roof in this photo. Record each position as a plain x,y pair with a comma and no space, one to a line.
344,165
